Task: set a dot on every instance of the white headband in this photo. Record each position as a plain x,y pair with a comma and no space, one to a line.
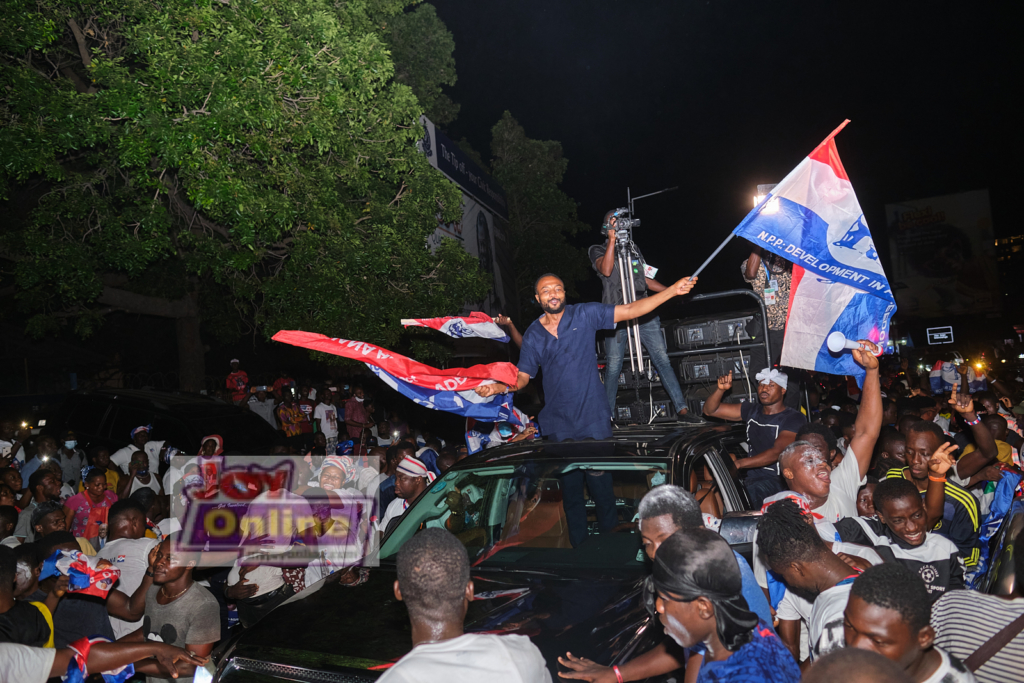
769,375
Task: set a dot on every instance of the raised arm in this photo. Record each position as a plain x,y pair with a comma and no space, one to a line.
935,496
507,323
713,407
869,417
753,263
606,263
649,303
985,444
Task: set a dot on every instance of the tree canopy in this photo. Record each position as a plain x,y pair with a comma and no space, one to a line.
259,156
542,217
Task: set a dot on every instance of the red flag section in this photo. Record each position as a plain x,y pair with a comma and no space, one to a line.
406,369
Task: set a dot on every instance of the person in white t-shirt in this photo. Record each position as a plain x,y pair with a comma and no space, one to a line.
806,464
140,442
795,551
888,612
433,582
411,477
127,548
325,416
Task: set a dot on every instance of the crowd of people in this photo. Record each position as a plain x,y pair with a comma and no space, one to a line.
865,559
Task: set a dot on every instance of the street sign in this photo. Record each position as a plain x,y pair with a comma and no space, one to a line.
940,335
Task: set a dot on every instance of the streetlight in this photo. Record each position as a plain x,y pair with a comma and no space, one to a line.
763,191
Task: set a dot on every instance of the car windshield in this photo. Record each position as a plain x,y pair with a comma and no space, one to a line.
538,514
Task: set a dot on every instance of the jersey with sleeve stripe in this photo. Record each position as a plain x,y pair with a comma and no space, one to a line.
961,517
937,561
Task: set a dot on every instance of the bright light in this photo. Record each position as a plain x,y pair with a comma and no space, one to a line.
24,424
978,365
758,198
1003,360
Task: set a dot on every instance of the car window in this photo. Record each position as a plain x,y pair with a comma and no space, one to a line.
542,514
171,430
242,432
126,419
86,417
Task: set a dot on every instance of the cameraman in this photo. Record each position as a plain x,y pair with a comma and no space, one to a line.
603,257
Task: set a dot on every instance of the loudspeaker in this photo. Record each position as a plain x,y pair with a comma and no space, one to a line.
600,341
699,368
694,333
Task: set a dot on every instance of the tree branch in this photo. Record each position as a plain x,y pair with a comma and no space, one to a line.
83,49
184,307
188,211
80,85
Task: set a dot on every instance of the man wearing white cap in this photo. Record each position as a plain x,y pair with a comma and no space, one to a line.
411,478
771,426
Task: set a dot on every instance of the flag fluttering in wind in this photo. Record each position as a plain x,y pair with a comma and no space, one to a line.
466,402
402,367
813,219
449,389
476,324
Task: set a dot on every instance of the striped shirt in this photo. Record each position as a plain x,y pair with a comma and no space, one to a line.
961,517
966,620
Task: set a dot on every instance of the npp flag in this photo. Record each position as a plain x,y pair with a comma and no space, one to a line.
78,669
813,219
944,375
400,367
476,324
86,575
466,402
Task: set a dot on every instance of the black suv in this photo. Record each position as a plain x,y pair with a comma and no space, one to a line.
106,417
529,577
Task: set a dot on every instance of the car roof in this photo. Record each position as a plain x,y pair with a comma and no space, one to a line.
656,440
158,399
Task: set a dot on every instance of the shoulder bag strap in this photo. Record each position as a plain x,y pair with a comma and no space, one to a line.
994,644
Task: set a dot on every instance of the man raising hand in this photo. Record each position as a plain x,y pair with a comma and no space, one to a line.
562,342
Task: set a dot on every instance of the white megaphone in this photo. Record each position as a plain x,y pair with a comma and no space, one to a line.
837,342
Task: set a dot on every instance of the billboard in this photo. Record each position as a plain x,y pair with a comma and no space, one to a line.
943,256
483,229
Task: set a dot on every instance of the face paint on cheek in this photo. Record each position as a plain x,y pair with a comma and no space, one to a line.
677,631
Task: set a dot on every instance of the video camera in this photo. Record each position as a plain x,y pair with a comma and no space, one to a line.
623,221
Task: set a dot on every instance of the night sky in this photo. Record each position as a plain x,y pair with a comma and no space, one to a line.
717,97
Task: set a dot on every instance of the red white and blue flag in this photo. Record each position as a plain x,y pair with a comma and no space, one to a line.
476,324
813,219
449,389
78,671
86,575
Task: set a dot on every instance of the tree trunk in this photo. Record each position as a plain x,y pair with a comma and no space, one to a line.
191,363
185,311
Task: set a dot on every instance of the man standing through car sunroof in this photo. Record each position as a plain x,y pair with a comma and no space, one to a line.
561,342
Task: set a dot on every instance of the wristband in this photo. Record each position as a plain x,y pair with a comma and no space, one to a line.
618,674
977,421
150,573
931,478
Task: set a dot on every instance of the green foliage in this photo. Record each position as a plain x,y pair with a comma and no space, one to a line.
267,149
541,216
422,49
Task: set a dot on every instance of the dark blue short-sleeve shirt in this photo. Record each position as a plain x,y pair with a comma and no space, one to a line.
575,403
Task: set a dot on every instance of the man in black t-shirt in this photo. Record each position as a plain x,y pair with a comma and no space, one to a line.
603,259
771,426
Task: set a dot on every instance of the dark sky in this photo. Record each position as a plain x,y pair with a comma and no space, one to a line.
717,97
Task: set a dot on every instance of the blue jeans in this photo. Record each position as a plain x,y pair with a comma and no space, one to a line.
615,347
600,486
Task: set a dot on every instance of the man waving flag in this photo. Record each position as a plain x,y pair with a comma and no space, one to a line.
813,219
